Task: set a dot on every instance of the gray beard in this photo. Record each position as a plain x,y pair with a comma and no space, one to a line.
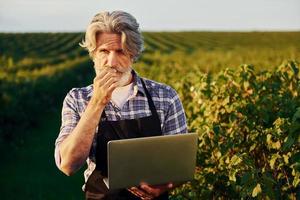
125,78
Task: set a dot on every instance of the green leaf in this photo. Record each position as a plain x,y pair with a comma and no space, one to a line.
295,158
232,176
246,178
296,116
296,180
269,139
273,160
235,160
216,129
256,190
276,145
252,147
268,178
289,142
286,159
246,85
294,68
269,183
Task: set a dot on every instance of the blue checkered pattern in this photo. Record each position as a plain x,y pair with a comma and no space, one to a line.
165,98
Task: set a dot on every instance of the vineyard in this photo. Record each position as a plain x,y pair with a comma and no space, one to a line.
240,91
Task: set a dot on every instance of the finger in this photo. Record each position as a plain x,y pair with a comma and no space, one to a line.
140,193
106,78
109,86
110,81
112,87
107,81
104,72
163,186
170,185
150,190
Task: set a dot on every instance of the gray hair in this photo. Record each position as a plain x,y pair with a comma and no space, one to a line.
115,22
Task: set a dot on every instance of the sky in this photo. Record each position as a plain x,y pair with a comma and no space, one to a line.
154,15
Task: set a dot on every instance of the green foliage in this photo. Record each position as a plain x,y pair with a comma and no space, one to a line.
248,120
248,125
27,95
36,71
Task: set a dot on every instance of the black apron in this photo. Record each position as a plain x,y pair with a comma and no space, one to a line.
95,188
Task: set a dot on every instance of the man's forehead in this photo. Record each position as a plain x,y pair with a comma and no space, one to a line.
108,38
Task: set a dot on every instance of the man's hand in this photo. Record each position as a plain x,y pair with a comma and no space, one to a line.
75,149
104,84
148,192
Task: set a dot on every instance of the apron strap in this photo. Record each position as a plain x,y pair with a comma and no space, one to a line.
150,101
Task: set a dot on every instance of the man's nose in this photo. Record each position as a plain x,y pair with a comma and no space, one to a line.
112,59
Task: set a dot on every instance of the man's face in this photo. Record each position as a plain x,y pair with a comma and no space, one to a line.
109,53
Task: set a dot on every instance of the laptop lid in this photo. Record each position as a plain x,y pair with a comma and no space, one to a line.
153,160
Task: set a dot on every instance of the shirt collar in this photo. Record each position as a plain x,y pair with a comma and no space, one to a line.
138,86
138,83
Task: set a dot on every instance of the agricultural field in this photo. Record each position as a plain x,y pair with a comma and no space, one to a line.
240,91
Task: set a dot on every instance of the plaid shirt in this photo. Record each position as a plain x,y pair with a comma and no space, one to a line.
167,103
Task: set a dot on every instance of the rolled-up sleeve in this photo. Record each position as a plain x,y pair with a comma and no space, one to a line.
69,120
175,120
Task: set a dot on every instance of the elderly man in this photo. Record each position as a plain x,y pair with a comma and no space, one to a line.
118,105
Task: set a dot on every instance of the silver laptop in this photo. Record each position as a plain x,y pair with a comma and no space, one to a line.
153,160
